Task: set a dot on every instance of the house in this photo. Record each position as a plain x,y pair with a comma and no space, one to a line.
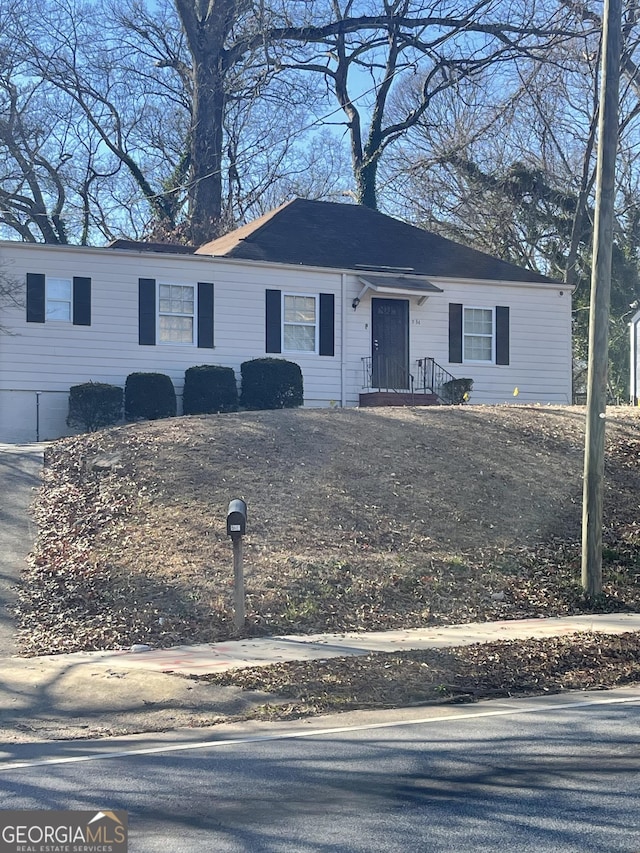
372,309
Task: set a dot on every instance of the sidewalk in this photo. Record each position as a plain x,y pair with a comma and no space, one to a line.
115,692
20,472
235,654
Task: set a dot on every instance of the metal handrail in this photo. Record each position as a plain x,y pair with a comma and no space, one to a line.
432,376
388,371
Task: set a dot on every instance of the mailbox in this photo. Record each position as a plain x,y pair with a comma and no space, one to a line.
236,519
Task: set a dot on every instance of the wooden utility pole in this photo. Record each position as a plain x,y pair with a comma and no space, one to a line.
600,300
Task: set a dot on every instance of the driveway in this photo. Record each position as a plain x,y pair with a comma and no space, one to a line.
20,467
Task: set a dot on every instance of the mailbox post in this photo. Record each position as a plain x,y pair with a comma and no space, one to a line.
236,528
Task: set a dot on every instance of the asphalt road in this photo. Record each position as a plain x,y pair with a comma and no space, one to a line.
542,774
20,468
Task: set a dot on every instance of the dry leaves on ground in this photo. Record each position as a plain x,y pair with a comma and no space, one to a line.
358,520
463,674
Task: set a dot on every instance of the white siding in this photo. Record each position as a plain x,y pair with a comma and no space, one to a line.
50,357
540,339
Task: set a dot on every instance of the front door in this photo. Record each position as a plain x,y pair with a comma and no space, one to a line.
390,344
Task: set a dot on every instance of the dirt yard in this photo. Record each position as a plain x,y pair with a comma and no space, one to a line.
357,519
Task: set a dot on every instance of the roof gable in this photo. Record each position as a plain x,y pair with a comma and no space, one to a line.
349,236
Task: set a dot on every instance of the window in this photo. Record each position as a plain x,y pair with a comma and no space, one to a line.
66,300
176,313
59,299
478,334
299,329
308,323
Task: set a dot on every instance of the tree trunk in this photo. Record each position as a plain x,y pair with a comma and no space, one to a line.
366,183
205,191
206,26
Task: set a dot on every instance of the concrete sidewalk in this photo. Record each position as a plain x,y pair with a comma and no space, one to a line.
236,654
91,694
20,476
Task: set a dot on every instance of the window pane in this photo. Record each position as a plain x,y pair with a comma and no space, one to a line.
478,321
59,292
300,338
59,288
176,299
299,309
477,348
58,310
176,330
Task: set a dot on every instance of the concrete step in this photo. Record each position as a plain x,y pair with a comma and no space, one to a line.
397,398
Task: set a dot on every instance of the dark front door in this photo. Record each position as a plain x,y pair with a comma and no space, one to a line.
390,344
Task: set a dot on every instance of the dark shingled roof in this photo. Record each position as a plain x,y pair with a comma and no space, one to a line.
349,236
138,246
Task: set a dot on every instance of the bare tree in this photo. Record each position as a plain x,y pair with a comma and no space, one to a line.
32,192
515,177
158,94
11,295
383,38
124,80
58,180
363,57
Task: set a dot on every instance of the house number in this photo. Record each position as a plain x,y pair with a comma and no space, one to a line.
415,322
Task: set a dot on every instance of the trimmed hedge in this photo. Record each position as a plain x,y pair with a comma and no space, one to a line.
271,383
93,405
456,391
149,396
209,388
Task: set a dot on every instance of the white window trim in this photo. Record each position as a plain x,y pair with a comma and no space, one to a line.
316,345
492,360
194,316
48,299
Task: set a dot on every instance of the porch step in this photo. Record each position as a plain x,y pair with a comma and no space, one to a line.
397,398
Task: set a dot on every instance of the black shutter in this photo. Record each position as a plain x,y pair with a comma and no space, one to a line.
455,333
205,314
146,311
35,298
81,301
327,324
273,336
502,335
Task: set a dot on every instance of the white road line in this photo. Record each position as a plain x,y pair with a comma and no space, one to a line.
158,750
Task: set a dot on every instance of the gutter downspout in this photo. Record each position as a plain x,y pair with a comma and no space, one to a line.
633,350
343,338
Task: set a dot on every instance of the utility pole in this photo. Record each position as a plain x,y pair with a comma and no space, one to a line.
600,299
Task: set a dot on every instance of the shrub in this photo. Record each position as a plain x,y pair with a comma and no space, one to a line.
94,405
456,391
209,388
149,396
271,383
